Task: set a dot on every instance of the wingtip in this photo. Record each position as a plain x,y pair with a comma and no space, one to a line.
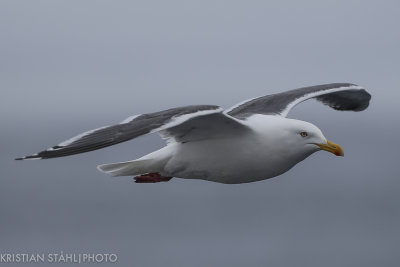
31,157
100,168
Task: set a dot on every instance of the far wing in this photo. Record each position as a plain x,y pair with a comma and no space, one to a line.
133,127
211,126
339,96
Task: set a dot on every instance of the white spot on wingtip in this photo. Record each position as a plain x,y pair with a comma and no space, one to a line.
31,157
53,148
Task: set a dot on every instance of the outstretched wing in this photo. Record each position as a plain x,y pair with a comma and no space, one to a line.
339,96
183,124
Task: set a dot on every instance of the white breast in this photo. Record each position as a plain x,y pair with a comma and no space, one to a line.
226,161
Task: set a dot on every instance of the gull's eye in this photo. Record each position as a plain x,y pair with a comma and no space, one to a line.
303,134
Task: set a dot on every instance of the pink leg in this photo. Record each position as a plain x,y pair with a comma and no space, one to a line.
153,177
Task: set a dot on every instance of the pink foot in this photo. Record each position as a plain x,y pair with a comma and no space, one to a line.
151,178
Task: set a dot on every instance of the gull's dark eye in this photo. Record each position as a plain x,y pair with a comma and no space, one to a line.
303,134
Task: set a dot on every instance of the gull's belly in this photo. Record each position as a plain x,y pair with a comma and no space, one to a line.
226,161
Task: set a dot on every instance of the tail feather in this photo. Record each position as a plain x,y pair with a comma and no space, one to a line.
135,167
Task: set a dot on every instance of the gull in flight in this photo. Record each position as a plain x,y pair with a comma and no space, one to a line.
249,142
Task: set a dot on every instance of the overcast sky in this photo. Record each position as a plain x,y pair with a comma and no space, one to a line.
70,66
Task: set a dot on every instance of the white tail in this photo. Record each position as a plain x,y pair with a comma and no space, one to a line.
128,168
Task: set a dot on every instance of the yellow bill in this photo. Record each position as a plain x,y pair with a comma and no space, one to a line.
332,147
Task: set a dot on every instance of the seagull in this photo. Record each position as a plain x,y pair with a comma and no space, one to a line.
251,141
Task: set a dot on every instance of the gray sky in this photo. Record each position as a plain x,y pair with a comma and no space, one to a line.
71,66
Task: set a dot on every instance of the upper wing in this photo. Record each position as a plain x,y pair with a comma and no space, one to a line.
183,124
215,125
339,96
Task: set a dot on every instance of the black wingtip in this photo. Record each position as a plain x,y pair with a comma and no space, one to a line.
35,156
